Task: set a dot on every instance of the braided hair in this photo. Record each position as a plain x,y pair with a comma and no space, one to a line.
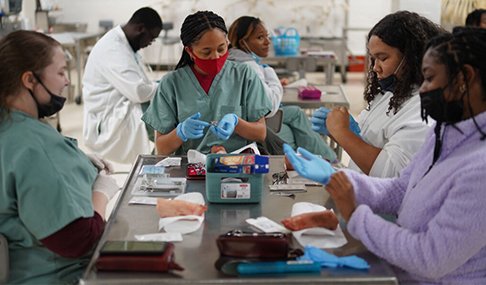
194,27
409,33
466,45
241,29
474,18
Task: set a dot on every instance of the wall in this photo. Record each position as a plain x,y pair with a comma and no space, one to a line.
324,18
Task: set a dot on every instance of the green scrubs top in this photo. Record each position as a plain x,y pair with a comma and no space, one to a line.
45,184
236,89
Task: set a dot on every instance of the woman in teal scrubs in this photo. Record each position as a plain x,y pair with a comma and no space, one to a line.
52,196
205,90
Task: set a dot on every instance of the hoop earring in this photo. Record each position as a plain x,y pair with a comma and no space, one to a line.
462,88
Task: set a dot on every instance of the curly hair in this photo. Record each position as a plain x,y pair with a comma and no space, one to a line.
194,27
409,33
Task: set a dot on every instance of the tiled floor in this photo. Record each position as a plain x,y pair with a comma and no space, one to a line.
71,116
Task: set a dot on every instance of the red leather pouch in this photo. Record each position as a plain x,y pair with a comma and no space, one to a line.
139,262
309,92
263,245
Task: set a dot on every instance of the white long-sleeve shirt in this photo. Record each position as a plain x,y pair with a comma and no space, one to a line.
399,135
114,86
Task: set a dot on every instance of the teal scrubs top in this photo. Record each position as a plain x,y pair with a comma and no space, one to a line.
45,184
235,89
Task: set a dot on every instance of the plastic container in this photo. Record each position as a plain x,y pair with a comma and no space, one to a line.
309,92
231,187
288,43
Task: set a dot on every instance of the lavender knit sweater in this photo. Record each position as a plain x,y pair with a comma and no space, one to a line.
440,233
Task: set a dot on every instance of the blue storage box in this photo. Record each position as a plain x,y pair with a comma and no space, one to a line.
231,187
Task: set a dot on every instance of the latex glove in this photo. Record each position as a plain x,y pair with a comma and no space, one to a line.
191,128
106,185
226,126
353,126
330,260
101,163
318,121
309,166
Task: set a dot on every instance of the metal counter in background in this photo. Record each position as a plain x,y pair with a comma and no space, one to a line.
305,63
198,252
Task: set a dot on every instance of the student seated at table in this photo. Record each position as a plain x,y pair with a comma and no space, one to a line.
206,88
439,235
249,43
52,196
477,18
390,129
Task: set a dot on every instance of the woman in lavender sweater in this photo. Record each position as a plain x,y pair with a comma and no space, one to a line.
440,233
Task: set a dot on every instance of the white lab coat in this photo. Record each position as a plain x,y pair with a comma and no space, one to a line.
114,86
399,135
273,87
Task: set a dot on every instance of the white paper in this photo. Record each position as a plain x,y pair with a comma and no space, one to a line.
184,224
168,237
251,146
267,225
143,201
194,156
170,161
318,237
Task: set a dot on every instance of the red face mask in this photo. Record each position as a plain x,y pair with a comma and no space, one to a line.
210,66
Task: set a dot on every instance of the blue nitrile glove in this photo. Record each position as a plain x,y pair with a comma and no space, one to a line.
353,126
318,121
226,126
309,166
264,65
329,260
191,128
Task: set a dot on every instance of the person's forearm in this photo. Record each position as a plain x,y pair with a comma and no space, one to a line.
167,144
99,201
363,154
253,131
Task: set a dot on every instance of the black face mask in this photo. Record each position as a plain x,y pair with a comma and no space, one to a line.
433,104
388,83
54,106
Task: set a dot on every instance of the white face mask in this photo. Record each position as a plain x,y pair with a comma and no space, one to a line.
253,55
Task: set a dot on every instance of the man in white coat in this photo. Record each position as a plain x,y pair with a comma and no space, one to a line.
115,86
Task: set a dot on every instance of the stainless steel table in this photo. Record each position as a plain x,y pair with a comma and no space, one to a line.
301,63
332,96
198,252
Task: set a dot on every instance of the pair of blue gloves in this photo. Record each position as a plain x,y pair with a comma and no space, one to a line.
309,165
192,128
330,260
318,121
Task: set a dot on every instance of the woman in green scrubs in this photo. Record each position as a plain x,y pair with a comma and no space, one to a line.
52,197
205,90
